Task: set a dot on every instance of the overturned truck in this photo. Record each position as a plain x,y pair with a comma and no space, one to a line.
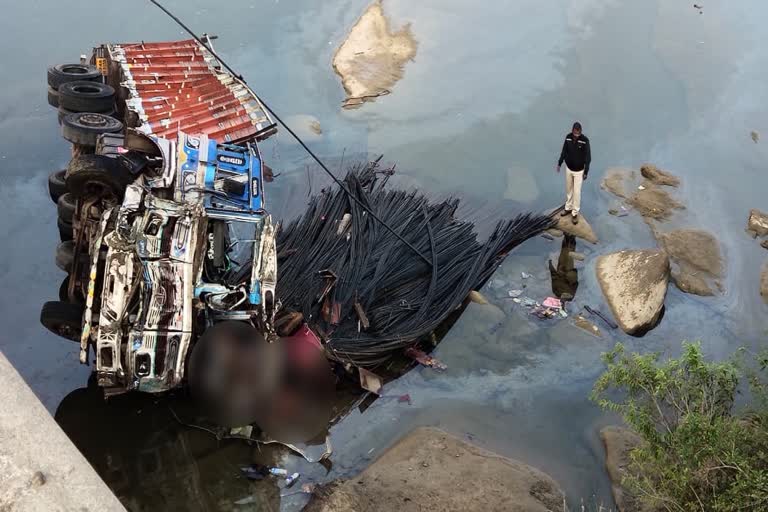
172,257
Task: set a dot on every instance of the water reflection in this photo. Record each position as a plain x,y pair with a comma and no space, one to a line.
565,277
153,462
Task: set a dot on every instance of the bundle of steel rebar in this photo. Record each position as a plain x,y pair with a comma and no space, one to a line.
366,293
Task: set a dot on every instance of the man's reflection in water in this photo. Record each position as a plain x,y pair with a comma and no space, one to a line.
565,277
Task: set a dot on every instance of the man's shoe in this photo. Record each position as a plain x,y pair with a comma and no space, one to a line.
575,219
565,212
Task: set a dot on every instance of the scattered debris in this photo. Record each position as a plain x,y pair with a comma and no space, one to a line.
613,211
755,136
477,298
406,398
515,293
315,127
425,359
292,480
640,187
525,275
552,302
254,471
308,488
245,431
610,323
344,224
369,381
361,315
525,301
699,8
587,326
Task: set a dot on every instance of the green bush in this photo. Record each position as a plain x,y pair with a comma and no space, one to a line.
699,452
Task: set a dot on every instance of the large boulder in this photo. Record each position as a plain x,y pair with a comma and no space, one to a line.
697,263
619,442
634,284
431,470
757,223
658,177
581,230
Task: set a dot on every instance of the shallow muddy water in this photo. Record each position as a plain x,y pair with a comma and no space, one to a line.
480,113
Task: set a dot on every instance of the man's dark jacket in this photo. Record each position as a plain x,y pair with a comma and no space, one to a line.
576,153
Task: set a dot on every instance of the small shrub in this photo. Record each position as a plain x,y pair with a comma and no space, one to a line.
698,453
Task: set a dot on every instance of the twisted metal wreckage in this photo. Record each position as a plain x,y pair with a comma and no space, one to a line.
170,250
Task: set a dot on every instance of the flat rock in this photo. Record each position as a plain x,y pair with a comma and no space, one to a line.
430,470
581,230
696,260
658,177
758,222
372,57
653,202
634,284
616,181
619,442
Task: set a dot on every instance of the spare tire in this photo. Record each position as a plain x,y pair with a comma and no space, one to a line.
64,319
65,73
66,206
65,255
66,231
86,97
56,185
97,175
85,127
53,98
64,113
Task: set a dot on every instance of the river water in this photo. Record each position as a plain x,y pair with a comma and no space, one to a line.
479,113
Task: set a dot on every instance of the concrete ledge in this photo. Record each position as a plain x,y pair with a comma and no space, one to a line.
40,468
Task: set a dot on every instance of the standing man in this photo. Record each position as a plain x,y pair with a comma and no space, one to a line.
577,156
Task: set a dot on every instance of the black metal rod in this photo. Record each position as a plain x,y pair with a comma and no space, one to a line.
293,134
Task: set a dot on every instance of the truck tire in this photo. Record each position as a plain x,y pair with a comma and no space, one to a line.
64,113
66,231
64,292
53,98
85,127
65,207
233,373
65,255
64,319
56,185
87,97
97,175
65,73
